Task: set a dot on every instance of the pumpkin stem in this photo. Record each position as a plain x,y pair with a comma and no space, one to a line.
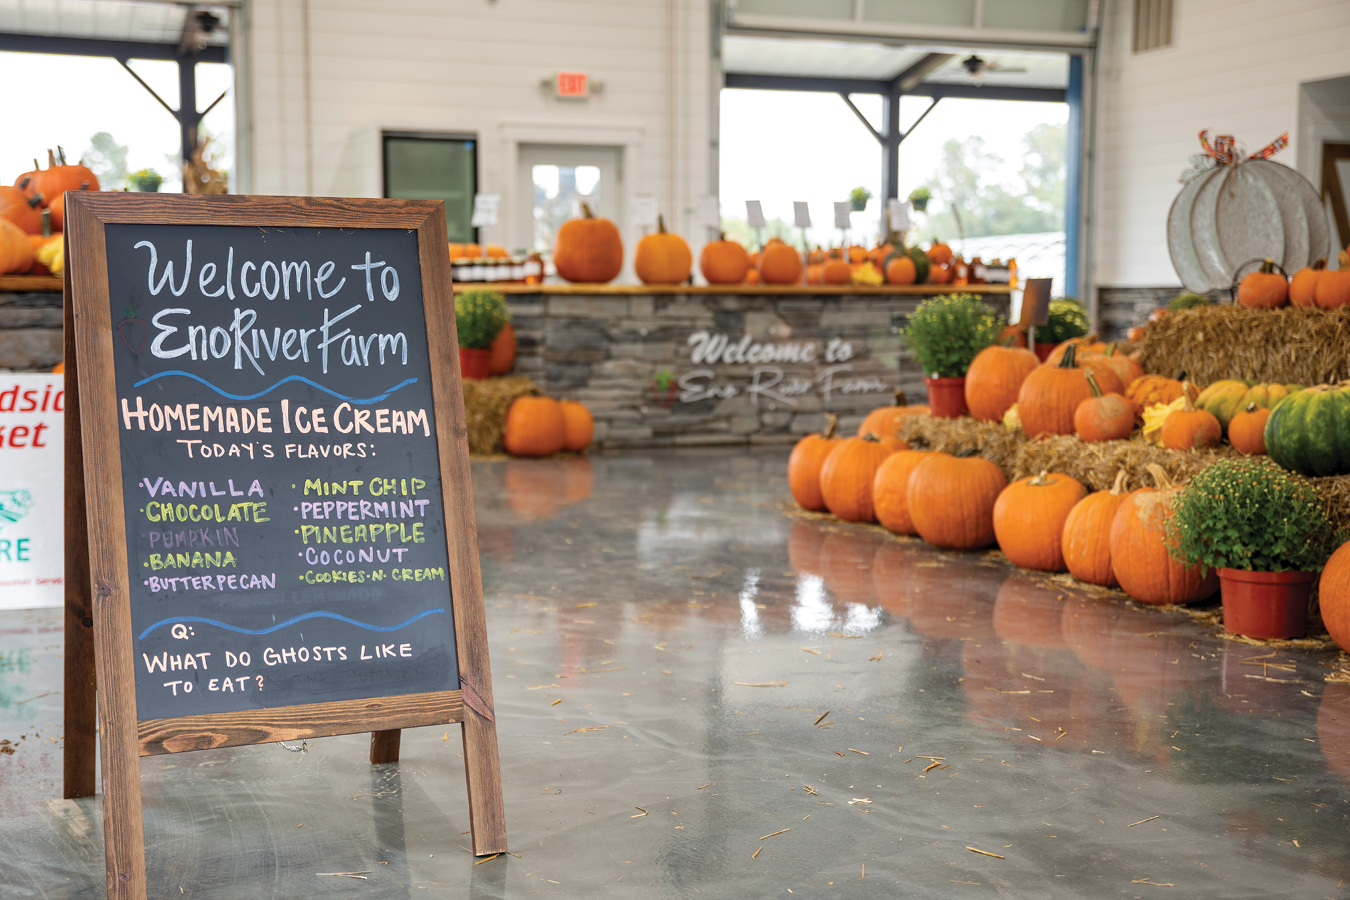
1160,477
51,159
1119,487
1319,265
721,235
35,201
586,211
1251,407
660,223
1268,266
46,222
1067,361
1110,349
61,154
1189,404
1092,383
1040,480
901,399
967,453
1344,260
871,437
831,423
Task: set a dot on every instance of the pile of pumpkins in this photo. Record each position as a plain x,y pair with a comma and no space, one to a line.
589,250
32,215
541,426
1047,522
1318,286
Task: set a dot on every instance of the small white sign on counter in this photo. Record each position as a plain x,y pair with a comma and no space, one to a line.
898,212
709,212
843,214
32,491
754,214
485,210
801,214
642,211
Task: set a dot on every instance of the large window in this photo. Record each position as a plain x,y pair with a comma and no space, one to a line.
435,167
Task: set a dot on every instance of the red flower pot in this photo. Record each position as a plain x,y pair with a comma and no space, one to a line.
947,397
1265,604
474,363
1043,350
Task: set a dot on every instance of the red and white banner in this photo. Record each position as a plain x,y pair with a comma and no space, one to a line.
32,562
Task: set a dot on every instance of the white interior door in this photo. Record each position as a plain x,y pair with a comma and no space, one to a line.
555,179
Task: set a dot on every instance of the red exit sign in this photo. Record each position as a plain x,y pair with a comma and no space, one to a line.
571,84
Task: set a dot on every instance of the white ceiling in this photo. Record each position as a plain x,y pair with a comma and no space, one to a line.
160,23
849,59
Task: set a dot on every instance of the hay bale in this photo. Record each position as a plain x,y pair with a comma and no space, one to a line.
1095,464
485,404
964,436
1293,345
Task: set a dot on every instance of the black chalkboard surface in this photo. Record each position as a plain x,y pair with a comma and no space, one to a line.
285,533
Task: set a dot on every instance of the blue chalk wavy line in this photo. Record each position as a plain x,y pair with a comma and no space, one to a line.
362,401
289,622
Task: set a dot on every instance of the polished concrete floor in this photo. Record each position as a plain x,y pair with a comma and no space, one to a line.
700,694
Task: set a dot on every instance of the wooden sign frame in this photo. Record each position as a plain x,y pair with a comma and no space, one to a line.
98,606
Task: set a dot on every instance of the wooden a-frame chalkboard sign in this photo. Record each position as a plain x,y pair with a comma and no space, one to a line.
269,519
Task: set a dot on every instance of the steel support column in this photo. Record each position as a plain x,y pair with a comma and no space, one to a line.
1073,182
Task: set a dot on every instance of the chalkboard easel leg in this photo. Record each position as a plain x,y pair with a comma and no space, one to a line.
384,746
80,681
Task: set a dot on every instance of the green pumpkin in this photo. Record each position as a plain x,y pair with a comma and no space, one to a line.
1224,399
1308,432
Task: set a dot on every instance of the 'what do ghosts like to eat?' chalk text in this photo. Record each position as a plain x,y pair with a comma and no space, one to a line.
178,336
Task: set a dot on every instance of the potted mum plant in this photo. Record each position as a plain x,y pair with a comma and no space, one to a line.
1266,533
944,334
1068,319
479,318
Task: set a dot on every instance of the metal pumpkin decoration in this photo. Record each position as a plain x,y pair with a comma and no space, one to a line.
1235,209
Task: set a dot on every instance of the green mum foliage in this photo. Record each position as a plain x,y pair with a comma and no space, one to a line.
945,333
479,318
1251,514
1189,301
1068,319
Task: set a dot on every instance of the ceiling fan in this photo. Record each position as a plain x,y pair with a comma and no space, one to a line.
977,68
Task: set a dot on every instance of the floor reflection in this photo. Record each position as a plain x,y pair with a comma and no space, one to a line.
701,692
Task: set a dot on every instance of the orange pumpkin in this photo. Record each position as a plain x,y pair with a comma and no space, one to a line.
663,258
578,426
1084,346
813,273
836,271
1127,369
496,251
847,476
1333,592
57,210
994,379
60,177
1264,288
21,209
901,270
753,277
857,254
1029,518
939,275
16,251
1333,288
939,254
503,351
1139,555
723,261
780,264
475,251
1247,430
535,426
890,490
951,500
1087,535
1103,417
587,250
1050,395
817,256
1303,286
1154,389
805,463
885,421
877,255
1191,428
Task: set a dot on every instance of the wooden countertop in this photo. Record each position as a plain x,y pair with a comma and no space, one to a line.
17,283
805,290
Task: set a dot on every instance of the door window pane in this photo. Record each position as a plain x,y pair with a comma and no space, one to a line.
429,167
559,192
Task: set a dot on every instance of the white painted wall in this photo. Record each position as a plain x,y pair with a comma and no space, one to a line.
475,66
1235,67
